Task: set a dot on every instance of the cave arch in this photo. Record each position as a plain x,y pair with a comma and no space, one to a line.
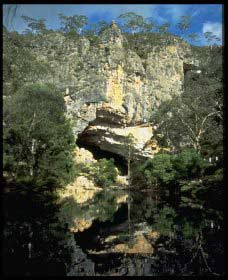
98,153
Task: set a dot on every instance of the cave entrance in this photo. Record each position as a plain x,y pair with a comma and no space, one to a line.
119,161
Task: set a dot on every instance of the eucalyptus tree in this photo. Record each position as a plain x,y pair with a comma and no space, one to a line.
129,146
148,25
37,26
72,24
211,38
102,25
164,28
20,65
193,37
132,22
38,140
184,23
195,114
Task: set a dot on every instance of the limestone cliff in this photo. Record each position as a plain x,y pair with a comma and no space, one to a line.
109,89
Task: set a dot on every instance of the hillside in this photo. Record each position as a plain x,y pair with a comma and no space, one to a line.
113,149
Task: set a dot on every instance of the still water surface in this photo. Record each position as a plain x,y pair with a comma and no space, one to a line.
178,236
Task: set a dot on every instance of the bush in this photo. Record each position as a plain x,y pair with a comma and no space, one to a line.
104,172
189,164
159,168
164,221
166,168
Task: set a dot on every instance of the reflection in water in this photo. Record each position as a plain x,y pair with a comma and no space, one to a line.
183,239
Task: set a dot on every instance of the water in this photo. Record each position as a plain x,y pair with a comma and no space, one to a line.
181,236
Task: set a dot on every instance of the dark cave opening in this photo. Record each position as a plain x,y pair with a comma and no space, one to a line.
119,161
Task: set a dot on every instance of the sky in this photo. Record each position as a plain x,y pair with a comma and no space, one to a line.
205,17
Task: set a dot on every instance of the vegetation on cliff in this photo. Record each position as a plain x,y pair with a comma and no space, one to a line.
197,113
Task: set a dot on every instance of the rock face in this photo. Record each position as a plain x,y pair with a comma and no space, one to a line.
107,85
113,139
83,156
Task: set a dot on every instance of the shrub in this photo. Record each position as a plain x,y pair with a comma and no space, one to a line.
104,172
188,164
164,221
159,168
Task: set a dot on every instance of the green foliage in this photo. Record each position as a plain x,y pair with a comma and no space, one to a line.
159,168
36,25
164,221
189,164
184,24
164,28
170,170
94,29
20,66
142,42
104,172
37,159
148,25
132,21
197,113
38,140
193,37
189,229
72,24
210,37
104,205
129,145
81,168
102,25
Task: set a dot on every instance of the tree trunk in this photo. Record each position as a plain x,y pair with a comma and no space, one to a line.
33,157
129,193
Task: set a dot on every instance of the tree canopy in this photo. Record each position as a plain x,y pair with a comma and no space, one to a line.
184,23
36,25
37,137
20,66
211,37
197,113
72,24
132,21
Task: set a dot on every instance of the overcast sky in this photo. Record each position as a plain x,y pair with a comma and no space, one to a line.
204,17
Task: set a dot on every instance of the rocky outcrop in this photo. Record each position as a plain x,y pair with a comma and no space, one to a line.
80,224
114,139
107,85
83,156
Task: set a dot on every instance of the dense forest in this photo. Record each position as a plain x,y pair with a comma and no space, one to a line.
185,176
